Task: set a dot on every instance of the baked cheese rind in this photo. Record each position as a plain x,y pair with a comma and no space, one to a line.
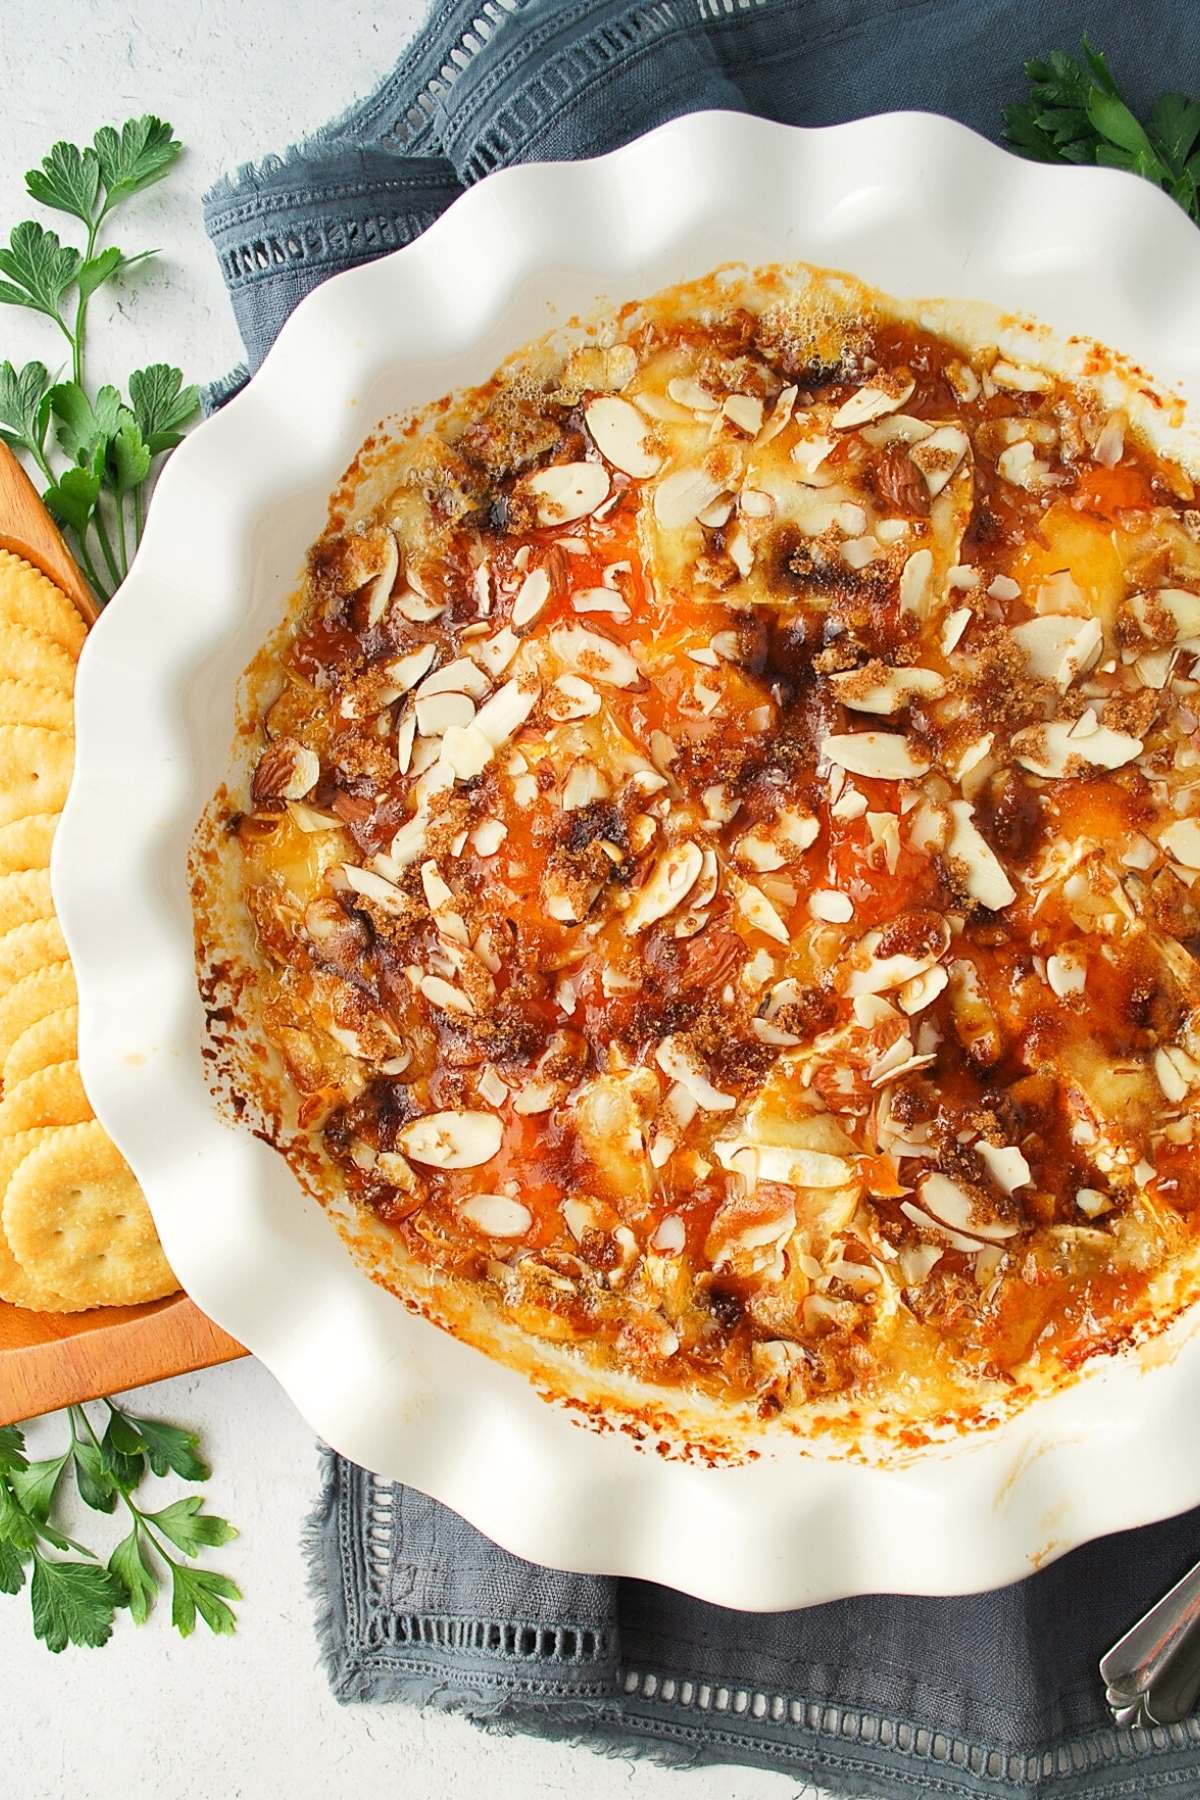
722,850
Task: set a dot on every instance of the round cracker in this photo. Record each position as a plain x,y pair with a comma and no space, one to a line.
24,896
18,1285
29,598
29,703
54,1039
35,770
29,947
74,1213
32,998
24,656
25,843
53,1096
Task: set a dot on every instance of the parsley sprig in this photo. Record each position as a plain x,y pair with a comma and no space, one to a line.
111,445
1076,114
74,1599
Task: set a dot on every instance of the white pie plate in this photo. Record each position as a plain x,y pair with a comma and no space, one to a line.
909,202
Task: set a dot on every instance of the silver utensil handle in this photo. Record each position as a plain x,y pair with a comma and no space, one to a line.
1152,1674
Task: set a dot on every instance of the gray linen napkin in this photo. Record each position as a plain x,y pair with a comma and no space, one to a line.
995,1694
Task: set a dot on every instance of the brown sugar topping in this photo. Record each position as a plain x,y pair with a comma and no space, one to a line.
739,887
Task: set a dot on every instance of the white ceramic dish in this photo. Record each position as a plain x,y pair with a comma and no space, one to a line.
910,203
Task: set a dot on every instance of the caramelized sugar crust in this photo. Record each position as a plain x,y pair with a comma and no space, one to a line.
724,847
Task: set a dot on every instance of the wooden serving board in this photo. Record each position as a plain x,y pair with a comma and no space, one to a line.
48,1360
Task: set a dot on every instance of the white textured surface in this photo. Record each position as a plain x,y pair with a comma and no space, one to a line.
250,1717
150,1717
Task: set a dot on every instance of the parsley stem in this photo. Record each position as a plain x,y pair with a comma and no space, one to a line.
139,516
81,309
106,546
39,457
121,544
89,568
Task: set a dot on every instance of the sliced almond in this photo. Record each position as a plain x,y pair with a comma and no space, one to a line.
1019,378
757,851
506,711
899,428
890,693
414,607
828,904
381,587
884,393
922,990
677,1061
1021,466
462,676
719,513
681,497
858,552
798,829
915,580
1109,447
1176,607
406,731
790,1165
587,653
755,504
940,455
808,454
879,754
1067,747
667,886
496,1215
961,1209
531,597
311,818
928,1222
466,752
436,714
481,581
564,492
670,1236
488,836
287,770
953,627
983,871
686,392
871,973
1058,646
620,433
758,912
745,411
584,784
1177,1073
452,1140
442,993
409,841
373,887
572,698
438,892
1066,974
1005,1164
406,671
601,600
1182,841
779,415
495,653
